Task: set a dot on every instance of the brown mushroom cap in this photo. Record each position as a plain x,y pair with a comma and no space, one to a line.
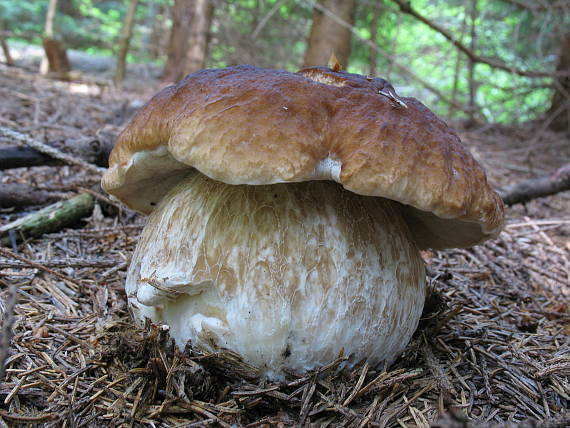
247,125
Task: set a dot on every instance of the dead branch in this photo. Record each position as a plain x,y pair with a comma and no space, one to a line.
533,188
21,195
87,149
63,263
28,419
124,42
406,7
92,150
23,157
49,219
48,150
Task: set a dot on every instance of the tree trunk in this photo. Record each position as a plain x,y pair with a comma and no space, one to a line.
150,19
6,51
373,54
189,37
199,36
560,106
48,34
158,43
330,32
54,61
393,47
182,12
58,63
457,70
4,44
472,63
126,35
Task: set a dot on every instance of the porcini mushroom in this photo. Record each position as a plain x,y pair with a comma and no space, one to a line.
287,210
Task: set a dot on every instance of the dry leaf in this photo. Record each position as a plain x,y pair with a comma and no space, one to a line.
334,65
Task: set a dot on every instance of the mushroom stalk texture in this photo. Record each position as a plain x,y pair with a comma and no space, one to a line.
287,275
287,209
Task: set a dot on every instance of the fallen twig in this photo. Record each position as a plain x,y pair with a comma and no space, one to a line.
533,188
20,157
49,219
64,263
90,150
23,419
48,150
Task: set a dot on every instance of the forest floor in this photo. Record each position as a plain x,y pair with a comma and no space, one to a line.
493,345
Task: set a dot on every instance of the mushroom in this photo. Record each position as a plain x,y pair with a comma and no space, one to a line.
287,211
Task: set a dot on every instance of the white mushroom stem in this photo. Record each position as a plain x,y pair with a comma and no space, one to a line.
287,275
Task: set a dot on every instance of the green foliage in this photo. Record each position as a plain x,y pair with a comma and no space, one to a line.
273,33
90,25
23,18
521,38
269,33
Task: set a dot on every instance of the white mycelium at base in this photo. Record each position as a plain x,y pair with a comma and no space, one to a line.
286,275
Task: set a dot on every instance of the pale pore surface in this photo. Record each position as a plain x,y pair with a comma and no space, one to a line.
286,274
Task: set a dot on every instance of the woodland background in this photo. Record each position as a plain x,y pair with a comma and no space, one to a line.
480,60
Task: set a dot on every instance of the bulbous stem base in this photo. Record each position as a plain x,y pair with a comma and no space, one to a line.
287,275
